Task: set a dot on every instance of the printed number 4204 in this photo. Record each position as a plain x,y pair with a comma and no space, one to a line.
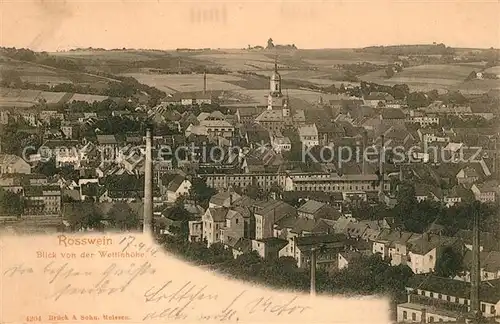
34,318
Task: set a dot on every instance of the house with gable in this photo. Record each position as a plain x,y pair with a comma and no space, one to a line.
213,221
393,245
486,192
426,249
234,226
269,248
315,210
331,245
467,175
10,164
268,213
489,265
223,199
178,187
456,195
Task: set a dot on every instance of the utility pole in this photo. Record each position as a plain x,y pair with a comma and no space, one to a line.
148,185
475,270
313,271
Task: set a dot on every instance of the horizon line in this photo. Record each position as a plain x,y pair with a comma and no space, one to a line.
242,48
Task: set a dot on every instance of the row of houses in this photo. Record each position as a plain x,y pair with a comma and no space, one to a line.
274,229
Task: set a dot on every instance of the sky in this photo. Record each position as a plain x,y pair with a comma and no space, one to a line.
61,25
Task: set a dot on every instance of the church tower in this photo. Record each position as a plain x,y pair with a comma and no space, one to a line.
286,109
274,89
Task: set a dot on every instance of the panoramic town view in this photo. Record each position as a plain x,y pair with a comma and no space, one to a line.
363,171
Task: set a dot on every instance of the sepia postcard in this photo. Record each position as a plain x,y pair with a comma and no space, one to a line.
249,161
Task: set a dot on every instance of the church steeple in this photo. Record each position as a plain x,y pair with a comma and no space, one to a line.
275,95
275,83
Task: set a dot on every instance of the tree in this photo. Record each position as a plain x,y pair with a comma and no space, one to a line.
200,192
389,71
82,215
11,78
449,263
123,217
10,203
48,168
13,139
254,191
400,91
181,216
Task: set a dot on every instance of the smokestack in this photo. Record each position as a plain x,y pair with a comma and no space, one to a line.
365,143
475,269
313,271
204,82
381,165
148,185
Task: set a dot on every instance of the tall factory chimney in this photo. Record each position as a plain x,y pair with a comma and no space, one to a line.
204,82
363,155
381,165
475,268
148,185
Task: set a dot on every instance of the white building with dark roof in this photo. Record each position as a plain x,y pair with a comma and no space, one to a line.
10,163
308,135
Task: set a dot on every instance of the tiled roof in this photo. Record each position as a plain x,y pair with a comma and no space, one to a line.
274,242
428,242
106,139
175,183
489,261
286,222
218,214
320,239
303,225
489,291
311,207
393,113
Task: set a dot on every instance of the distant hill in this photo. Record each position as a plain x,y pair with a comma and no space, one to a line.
429,49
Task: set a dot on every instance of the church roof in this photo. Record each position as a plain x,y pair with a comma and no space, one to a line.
270,116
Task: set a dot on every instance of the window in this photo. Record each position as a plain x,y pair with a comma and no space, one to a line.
440,296
448,298
431,319
413,316
405,315
237,220
483,308
432,295
492,309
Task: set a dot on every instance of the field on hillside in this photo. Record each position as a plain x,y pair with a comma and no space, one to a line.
239,60
259,97
330,57
27,98
128,56
86,97
493,69
171,83
41,74
34,73
424,77
478,86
